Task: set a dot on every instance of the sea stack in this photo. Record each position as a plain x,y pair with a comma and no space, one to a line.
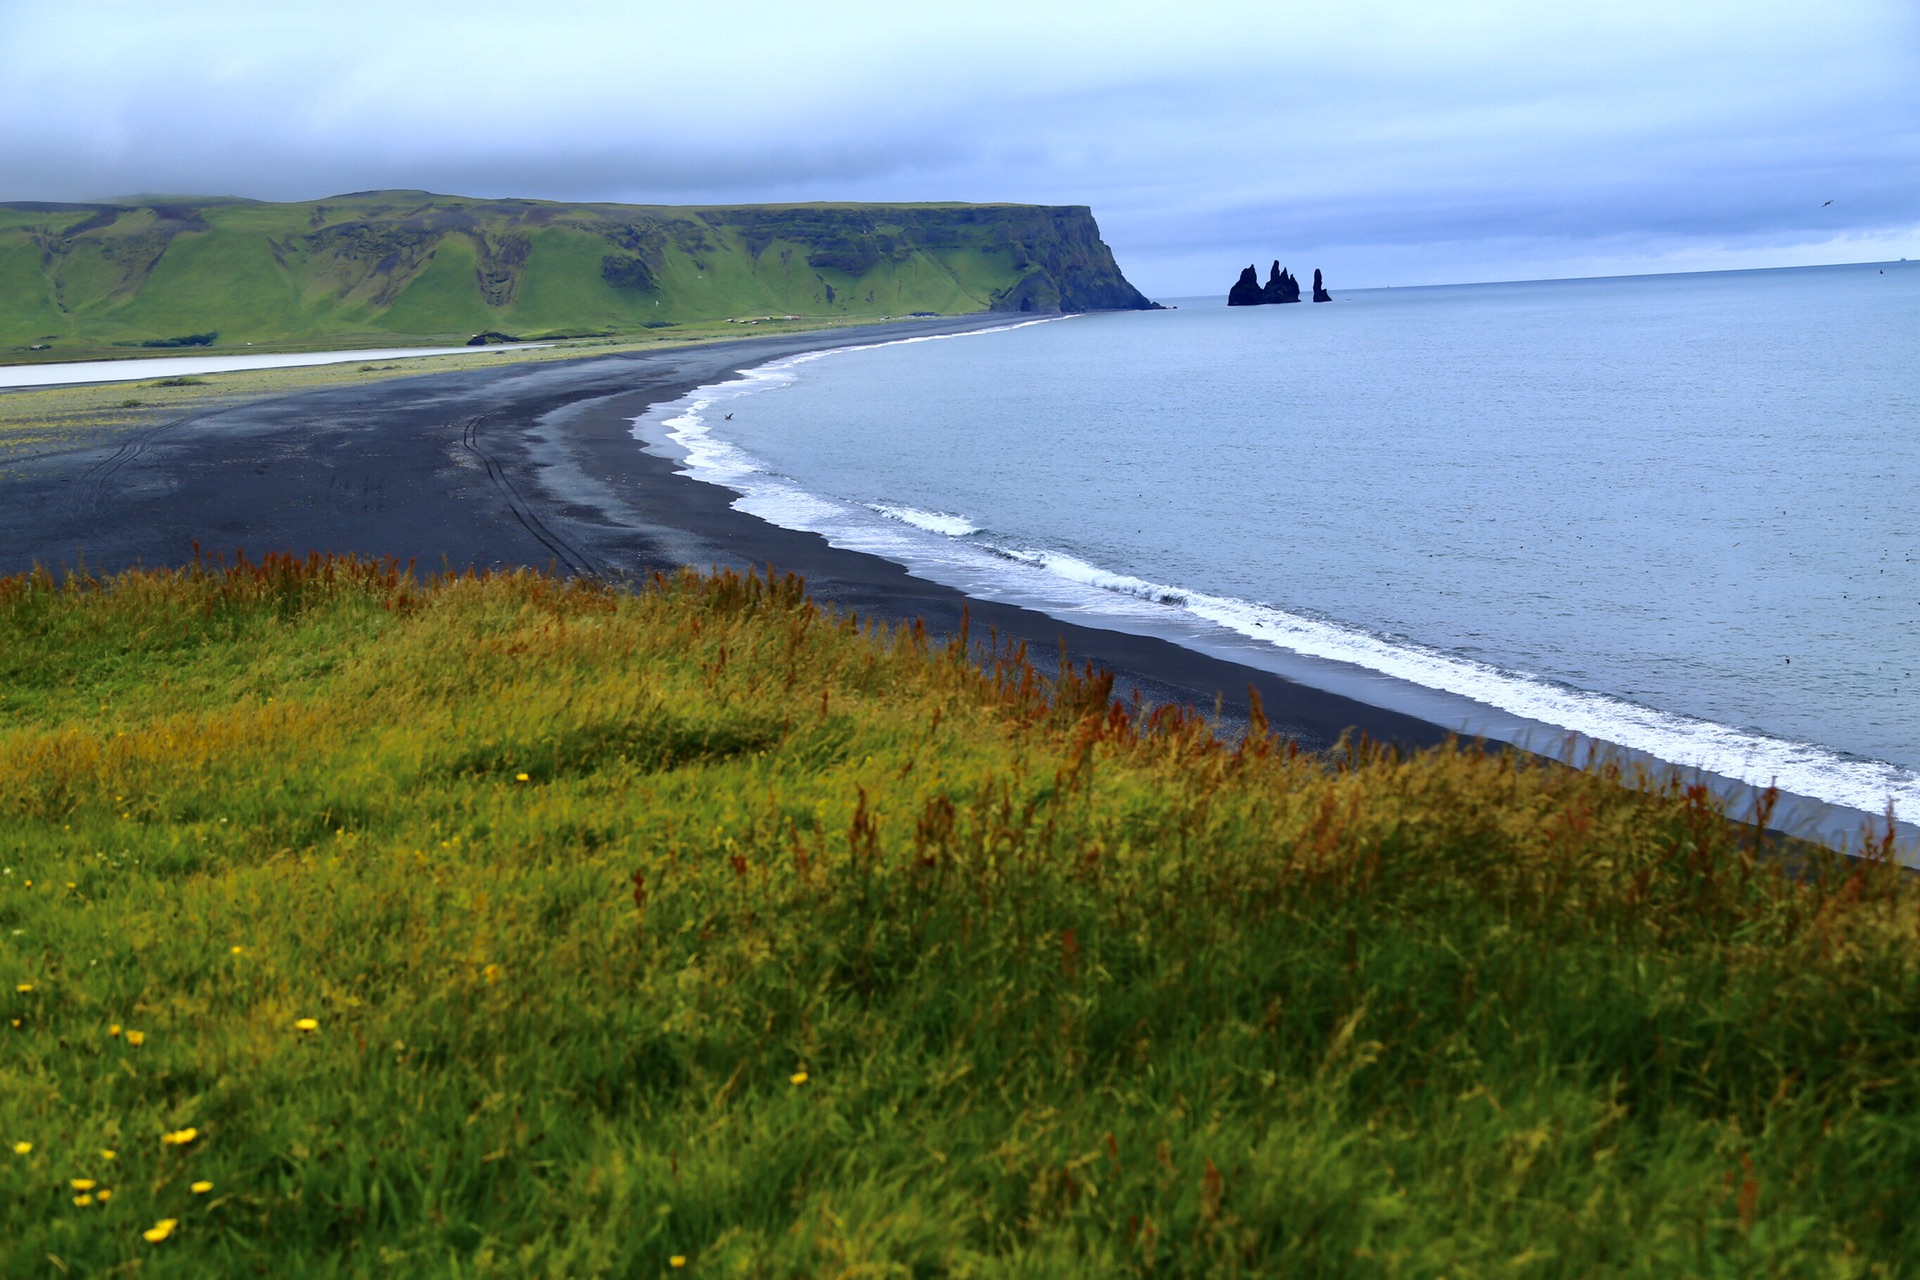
1320,293
1246,291
1281,286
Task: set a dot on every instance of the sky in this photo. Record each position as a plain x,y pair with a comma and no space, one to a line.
1389,142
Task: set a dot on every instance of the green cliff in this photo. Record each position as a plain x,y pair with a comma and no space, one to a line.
405,266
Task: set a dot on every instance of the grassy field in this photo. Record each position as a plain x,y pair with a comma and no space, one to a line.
513,927
380,268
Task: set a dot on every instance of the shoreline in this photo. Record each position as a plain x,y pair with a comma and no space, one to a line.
537,464
1455,714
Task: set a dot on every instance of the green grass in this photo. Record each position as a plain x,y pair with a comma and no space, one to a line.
386,266
698,923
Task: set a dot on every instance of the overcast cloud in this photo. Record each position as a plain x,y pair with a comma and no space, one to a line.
1390,142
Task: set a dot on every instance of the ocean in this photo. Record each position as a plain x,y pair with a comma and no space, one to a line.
1679,514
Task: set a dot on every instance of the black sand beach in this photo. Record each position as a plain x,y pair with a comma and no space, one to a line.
535,465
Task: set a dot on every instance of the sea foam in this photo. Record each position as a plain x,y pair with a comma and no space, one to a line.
943,523
950,548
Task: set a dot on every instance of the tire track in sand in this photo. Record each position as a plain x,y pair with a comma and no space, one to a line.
577,562
96,479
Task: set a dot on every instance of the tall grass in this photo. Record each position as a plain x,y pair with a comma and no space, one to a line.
700,923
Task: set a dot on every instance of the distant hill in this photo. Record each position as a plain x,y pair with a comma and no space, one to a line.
406,266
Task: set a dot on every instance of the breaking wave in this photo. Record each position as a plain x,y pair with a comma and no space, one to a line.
952,549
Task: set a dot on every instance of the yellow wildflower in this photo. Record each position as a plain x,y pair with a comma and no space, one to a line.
491,973
677,1260
238,949
24,987
306,1024
798,1077
521,777
104,1194
160,1230
83,1200
114,1030
201,1188
180,1137
83,1184
108,1153
22,1148
136,1038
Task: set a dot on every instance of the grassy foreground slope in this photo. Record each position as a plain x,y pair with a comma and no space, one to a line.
519,927
407,266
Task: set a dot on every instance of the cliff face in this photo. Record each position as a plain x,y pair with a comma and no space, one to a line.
1055,255
409,265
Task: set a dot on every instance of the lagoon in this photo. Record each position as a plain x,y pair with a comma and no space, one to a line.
139,369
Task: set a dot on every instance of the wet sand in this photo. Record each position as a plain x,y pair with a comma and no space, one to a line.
536,465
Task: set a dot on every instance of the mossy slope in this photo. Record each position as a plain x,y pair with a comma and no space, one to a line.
414,267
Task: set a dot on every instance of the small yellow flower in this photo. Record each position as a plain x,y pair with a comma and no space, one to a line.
83,1184
83,1200
114,1030
237,950
798,1077
23,987
201,1188
136,1038
521,777
108,1153
16,1022
180,1137
22,1148
160,1230
306,1024
105,1194
677,1260
491,973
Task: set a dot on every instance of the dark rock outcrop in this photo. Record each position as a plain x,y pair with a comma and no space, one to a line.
1281,286
1320,293
628,271
1246,291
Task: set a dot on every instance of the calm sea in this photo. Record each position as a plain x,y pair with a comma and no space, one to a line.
1676,513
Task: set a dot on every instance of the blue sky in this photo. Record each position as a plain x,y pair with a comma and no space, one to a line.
1387,142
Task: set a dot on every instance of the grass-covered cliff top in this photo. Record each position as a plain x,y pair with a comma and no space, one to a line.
410,267
518,927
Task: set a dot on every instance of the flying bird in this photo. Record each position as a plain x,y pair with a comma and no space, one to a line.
729,418
1825,205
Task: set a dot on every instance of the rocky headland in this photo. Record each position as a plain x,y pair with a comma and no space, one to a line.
379,267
